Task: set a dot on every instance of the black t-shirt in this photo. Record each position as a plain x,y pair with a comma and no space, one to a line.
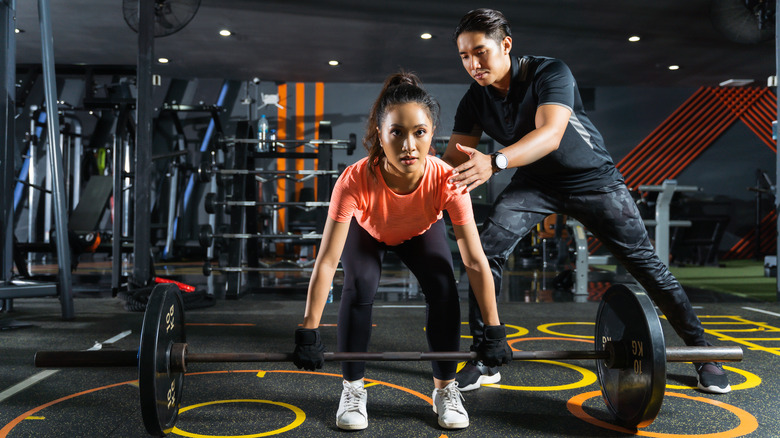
580,163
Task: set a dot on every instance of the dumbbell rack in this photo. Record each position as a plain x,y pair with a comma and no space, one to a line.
243,269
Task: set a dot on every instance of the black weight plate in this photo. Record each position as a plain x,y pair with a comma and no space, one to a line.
205,236
160,389
633,394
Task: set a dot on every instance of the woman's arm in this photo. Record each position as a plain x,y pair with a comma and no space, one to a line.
332,244
478,270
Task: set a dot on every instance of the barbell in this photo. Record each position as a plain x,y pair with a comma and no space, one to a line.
206,170
210,203
208,268
630,356
206,236
350,145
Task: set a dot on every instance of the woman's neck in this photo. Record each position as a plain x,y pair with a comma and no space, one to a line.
401,183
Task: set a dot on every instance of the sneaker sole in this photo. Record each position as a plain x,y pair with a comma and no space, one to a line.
461,425
483,380
715,389
352,426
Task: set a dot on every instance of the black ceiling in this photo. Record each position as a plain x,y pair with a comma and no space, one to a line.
293,40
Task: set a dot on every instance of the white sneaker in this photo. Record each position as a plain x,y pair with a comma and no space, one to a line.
352,407
448,403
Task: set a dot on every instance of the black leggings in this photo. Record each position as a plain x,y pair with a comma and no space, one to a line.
428,257
611,215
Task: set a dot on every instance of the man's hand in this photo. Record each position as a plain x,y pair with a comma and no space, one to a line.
474,172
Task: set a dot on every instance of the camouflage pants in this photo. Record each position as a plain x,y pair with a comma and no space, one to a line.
611,215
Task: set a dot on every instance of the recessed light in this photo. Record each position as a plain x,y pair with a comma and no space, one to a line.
674,67
426,36
163,60
225,33
634,38
333,63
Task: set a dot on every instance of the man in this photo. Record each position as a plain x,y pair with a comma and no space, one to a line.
532,107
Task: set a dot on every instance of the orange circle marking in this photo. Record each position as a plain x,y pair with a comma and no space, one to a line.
747,422
15,422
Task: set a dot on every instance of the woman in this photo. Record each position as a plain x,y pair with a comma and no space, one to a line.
393,200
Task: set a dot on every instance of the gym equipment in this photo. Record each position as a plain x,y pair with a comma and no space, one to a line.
210,204
662,223
206,171
206,236
295,267
350,145
630,355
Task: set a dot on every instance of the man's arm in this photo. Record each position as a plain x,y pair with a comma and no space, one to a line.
452,155
551,121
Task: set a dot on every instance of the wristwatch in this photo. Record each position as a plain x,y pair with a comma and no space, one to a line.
500,162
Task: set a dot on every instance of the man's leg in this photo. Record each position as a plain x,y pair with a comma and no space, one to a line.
509,221
611,215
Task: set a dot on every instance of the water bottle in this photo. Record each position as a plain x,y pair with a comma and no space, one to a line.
272,137
262,134
330,294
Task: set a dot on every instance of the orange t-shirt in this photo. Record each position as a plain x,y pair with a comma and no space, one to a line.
392,218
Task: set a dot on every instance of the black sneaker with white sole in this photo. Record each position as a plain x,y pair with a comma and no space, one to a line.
712,378
474,374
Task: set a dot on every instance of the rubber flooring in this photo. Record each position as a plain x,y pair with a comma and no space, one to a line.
533,399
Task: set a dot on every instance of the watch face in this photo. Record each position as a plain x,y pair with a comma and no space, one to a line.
501,161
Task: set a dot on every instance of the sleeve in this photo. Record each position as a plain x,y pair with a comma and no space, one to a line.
555,84
344,199
466,121
458,206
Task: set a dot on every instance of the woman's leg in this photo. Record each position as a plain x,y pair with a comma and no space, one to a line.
428,257
362,264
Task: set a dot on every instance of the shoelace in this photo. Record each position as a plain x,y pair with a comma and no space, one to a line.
352,402
450,396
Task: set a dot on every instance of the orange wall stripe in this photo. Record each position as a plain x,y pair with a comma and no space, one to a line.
300,130
319,111
281,134
659,143
686,133
636,156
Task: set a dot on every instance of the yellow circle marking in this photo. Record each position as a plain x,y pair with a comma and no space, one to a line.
545,328
588,377
751,380
747,422
521,331
299,418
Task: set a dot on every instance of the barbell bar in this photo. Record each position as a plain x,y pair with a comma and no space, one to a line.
206,236
208,268
630,357
206,170
350,145
210,204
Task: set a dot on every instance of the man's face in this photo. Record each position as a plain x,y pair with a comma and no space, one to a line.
486,60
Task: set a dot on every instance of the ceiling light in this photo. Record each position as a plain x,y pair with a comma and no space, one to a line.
634,38
225,33
674,67
163,60
736,82
333,63
426,36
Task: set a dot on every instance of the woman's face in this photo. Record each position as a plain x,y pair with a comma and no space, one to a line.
406,134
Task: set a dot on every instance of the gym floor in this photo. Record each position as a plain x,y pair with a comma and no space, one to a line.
534,398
